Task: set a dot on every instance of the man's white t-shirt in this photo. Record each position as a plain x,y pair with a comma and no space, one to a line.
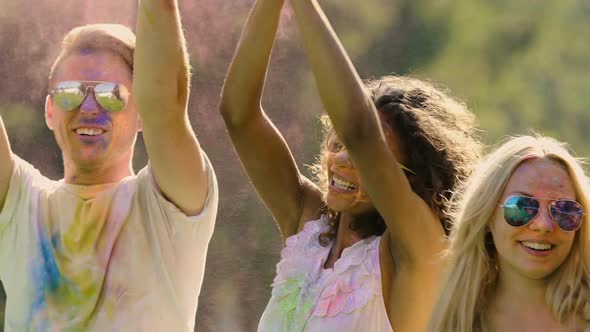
110,257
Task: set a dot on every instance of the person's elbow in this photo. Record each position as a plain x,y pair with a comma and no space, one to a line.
235,107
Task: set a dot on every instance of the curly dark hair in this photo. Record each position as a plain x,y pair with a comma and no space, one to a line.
438,135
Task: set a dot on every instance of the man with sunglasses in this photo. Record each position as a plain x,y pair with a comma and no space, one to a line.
105,249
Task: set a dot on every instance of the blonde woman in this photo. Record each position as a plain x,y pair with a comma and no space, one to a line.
362,248
520,245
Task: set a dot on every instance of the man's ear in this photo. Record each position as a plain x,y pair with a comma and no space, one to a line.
49,112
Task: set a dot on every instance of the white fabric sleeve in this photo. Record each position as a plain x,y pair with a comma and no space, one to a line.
180,241
174,215
24,177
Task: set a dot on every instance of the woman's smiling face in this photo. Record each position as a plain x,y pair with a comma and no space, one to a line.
346,192
537,249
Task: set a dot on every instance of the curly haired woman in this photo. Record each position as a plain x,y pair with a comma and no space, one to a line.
362,249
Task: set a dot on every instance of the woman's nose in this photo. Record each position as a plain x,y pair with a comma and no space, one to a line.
543,222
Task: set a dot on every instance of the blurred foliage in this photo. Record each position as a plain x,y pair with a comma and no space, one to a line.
520,65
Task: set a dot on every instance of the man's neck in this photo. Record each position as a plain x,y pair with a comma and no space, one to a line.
96,174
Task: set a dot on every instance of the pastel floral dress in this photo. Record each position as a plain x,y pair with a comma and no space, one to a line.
307,297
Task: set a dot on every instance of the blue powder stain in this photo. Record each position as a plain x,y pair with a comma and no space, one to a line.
102,119
46,277
55,241
51,274
87,51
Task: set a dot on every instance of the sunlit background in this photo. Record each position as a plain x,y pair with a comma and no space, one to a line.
520,65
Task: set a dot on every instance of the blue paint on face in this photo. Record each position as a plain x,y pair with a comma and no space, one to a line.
92,74
87,51
104,143
102,119
93,141
95,65
95,73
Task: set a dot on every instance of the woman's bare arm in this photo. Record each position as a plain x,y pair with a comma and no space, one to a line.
291,197
416,234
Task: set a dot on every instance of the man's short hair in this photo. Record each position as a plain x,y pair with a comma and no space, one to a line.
114,38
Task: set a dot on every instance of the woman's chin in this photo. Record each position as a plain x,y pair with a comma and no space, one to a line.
337,203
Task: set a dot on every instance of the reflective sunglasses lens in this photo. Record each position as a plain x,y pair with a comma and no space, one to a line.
69,95
567,214
112,96
520,210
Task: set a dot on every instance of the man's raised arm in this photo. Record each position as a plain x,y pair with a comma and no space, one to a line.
161,89
5,164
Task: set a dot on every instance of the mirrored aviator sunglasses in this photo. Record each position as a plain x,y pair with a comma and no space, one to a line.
521,210
111,96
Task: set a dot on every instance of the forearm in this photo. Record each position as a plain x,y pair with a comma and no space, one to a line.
341,90
161,88
244,83
161,69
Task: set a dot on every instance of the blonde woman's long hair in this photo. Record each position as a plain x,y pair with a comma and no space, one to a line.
472,269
